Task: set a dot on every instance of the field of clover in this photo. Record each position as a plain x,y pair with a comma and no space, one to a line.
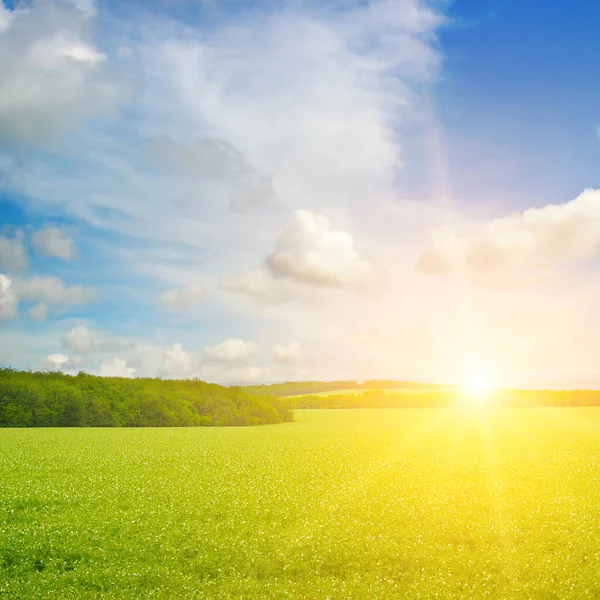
338,504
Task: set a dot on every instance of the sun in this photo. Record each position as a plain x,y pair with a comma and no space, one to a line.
478,386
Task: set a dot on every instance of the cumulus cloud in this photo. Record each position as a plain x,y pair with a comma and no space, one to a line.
52,290
226,364
80,339
84,340
51,74
97,352
289,354
57,360
310,251
8,299
38,313
262,287
177,363
538,238
231,350
233,374
44,291
182,298
13,254
292,102
54,242
116,367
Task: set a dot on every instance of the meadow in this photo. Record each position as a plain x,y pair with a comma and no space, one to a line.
457,503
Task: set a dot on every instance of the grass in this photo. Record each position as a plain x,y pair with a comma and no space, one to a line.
340,504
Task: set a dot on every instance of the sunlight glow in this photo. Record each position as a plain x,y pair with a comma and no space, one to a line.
478,386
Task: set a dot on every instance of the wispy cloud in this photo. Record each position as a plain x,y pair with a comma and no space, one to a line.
255,154
52,76
54,242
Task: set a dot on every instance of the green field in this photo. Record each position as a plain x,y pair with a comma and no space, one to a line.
339,504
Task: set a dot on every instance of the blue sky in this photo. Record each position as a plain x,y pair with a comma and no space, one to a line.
263,191
522,82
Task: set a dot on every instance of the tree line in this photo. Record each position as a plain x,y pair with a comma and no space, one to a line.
446,398
296,388
42,399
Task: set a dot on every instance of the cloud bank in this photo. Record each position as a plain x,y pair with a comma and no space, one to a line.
260,155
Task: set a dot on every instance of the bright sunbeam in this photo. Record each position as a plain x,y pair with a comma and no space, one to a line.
478,386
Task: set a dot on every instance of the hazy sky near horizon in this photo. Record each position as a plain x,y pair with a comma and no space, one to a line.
256,190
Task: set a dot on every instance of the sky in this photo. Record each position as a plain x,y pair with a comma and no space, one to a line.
256,191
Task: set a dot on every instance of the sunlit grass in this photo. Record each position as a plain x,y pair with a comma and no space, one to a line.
456,503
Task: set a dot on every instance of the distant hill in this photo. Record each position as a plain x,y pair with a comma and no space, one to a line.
444,398
297,388
57,400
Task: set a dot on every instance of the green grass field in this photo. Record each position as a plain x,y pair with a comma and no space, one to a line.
339,504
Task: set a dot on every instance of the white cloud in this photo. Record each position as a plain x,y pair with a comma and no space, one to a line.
52,241
5,16
80,339
538,238
233,374
228,366
231,350
96,352
308,254
310,251
182,298
38,313
217,161
116,367
8,299
51,75
87,341
262,287
88,7
297,104
57,360
52,290
310,97
294,103
13,255
247,374
177,363
291,354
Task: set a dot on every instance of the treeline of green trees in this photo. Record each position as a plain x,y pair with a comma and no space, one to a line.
296,388
448,398
375,399
57,400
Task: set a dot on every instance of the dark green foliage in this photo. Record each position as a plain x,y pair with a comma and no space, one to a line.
58,400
